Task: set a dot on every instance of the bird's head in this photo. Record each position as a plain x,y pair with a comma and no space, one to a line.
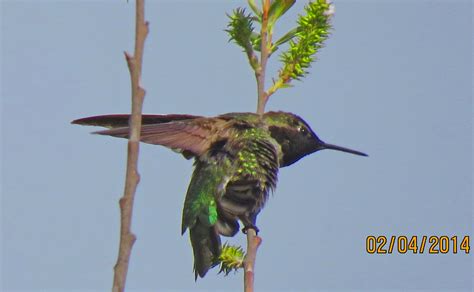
296,137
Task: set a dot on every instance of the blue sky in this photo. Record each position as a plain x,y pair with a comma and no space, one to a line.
394,80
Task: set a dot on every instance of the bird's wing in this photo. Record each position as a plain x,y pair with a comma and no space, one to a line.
200,213
207,182
121,120
190,135
180,135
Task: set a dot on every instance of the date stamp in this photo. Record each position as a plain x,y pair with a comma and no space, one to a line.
417,244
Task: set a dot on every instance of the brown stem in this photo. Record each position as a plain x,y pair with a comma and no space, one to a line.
127,238
253,242
260,73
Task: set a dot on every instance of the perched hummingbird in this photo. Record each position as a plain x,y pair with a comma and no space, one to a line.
236,158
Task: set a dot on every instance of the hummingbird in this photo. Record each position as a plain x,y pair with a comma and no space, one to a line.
236,161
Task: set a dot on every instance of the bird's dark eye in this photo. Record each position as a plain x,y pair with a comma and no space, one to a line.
303,130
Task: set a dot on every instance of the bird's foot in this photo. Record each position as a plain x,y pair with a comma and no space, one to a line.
244,230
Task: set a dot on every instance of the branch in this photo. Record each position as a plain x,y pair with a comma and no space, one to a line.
264,54
253,242
127,238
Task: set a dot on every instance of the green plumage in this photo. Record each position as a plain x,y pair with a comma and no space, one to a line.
200,214
230,181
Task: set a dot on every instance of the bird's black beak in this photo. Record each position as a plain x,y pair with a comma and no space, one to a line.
339,148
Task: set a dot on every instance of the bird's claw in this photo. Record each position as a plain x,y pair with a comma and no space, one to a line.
244,230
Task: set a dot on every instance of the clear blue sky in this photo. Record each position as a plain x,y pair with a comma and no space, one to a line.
395,81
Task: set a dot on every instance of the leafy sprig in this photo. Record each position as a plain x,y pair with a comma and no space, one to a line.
241,31
313,29
304,41
231,258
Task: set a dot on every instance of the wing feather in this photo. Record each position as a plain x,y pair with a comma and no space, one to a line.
176,131
180,135
121,120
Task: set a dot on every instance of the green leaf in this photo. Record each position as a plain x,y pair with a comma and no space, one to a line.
256,40
277,9
255,10
287,37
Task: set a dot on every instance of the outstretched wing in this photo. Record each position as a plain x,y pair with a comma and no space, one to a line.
190,135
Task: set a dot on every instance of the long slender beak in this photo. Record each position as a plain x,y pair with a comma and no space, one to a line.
343,149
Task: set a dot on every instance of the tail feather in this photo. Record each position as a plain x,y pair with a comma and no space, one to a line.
206,247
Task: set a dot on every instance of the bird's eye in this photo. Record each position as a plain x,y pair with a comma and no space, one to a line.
303,130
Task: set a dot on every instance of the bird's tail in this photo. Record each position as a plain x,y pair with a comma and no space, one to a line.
206,247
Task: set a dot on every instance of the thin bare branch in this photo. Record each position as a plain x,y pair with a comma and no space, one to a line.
127,238
253,242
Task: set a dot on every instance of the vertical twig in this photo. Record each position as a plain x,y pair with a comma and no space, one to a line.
254,241
127,238
260,73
